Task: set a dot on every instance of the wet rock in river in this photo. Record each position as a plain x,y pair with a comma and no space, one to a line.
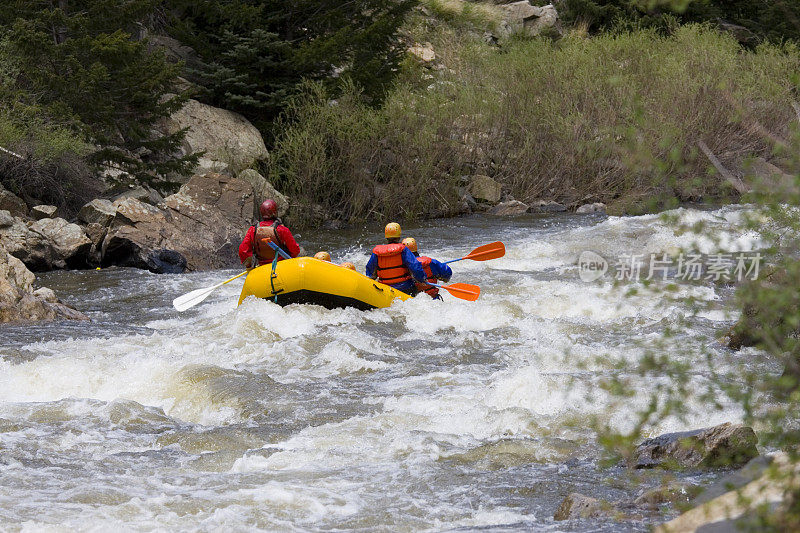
509,209
18,300
69,242
576,506
724,445
733,503
202,224
670,493
597,207
546,206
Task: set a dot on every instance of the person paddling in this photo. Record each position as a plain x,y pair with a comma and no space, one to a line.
270,229
434,270
394,264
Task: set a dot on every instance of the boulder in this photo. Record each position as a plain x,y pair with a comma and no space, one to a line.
98,211
143,194
739,504
96,233
423,52
509,209
39,212
30,247
6,219
263,189
69,242
484,189
201,227
533,20
576,506
19,302
546,206
724,445
12,203
229,141
671,493
596,207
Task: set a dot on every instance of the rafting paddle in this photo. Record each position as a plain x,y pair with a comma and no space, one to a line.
464,291
484,253
182,303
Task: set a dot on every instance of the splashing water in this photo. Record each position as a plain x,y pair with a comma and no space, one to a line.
429,415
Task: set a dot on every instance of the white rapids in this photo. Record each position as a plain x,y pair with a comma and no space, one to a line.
429,415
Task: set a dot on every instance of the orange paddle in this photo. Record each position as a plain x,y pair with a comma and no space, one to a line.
484,253
465,291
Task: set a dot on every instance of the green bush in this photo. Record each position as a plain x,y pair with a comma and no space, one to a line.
576,120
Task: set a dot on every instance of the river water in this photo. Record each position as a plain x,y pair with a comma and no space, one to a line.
429,415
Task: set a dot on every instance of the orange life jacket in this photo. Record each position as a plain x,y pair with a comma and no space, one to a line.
390,263
426,266
263,251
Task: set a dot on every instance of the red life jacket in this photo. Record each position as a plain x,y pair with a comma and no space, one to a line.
263,251
426,266
390,263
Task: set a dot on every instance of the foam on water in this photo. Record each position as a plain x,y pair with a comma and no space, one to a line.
298,418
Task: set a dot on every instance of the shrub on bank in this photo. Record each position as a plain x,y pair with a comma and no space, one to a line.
576,120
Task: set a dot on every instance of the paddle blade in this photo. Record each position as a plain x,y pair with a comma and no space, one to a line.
487,251
182,303
465,291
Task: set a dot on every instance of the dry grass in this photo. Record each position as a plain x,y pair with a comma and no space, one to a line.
601,119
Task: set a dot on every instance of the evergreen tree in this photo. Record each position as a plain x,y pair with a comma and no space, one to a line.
79,63
257,52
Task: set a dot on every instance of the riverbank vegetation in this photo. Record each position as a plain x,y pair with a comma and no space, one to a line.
362,127
613,118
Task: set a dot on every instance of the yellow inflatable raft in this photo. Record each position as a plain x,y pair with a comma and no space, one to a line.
311,281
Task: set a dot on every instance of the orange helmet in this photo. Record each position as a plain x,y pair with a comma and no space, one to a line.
410,243
349,265
322,256
392,230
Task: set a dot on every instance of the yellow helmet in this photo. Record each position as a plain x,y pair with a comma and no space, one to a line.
410,243
349,265
392,230
322,256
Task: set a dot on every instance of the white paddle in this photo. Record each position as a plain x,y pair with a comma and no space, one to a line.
182,303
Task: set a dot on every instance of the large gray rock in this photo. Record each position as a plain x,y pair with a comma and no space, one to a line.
6,219
201,227
12,203
735,508
576,506
723,445
509,209
484,189
533,20
98,211
597,207
69,242
263,189
31,247
18,300
229,141
546,206
143,194
39,212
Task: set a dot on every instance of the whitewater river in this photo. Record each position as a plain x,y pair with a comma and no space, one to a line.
429,415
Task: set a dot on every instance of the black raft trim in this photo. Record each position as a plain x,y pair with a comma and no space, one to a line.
329,301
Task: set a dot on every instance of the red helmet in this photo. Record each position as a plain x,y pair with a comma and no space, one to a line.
268,209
